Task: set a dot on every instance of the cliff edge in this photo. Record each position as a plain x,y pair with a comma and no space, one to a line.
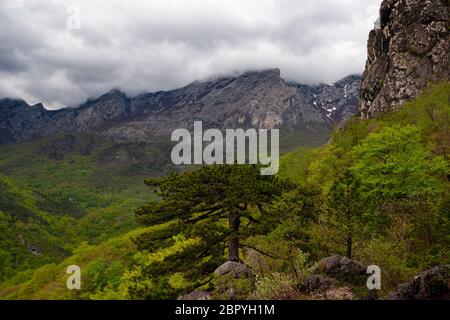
408,48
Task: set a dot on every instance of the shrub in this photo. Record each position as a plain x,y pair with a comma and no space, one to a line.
275,286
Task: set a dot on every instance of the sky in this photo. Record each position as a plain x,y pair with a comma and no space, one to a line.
62,52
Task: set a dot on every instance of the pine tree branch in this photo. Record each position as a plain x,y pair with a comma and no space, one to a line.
260,251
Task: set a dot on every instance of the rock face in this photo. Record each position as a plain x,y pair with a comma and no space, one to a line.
337,102
408,49
340,266
433,284
254,99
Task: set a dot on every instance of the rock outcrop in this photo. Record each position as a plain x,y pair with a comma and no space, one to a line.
433,284
408,48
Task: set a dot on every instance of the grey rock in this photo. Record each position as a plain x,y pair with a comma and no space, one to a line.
235,269
433,284
34,250
317,283
196,295
409,50
340,266
337,102
227,277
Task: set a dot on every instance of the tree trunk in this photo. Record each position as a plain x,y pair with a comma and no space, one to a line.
233,246
349,247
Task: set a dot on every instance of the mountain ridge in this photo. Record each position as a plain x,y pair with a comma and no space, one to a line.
259,99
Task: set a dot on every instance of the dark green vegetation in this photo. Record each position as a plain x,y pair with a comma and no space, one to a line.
379,192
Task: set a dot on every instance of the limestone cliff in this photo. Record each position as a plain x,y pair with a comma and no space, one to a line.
408,48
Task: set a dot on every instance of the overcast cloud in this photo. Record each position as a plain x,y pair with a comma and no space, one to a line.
149,45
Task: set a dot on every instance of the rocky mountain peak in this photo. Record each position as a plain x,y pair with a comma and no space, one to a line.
254,99
408,48
8,105
264,75
111,96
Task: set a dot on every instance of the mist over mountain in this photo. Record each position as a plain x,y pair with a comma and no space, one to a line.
256,99
141,46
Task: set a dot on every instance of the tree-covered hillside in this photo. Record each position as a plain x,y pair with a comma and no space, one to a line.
57,192
378,193
27,230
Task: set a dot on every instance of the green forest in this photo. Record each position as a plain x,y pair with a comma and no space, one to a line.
378,192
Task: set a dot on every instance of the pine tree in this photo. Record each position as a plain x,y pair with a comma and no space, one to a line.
345,205
218,206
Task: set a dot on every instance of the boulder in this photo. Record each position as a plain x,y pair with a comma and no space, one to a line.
339,266
233,281
235,269
196,295
433,284
317,283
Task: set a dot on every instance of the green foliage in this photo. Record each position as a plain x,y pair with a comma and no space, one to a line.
24,227
284,245
296,164
63,190
341,219
275,286
104,273
385,187
101,273
302,135
394,163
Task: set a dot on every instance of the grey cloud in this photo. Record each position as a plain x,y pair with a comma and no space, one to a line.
140,46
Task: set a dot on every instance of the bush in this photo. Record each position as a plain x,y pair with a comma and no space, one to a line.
275,286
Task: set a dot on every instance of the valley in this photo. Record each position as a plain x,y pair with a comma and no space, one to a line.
86,181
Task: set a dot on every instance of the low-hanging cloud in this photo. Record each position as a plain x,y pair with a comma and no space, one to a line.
141,46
